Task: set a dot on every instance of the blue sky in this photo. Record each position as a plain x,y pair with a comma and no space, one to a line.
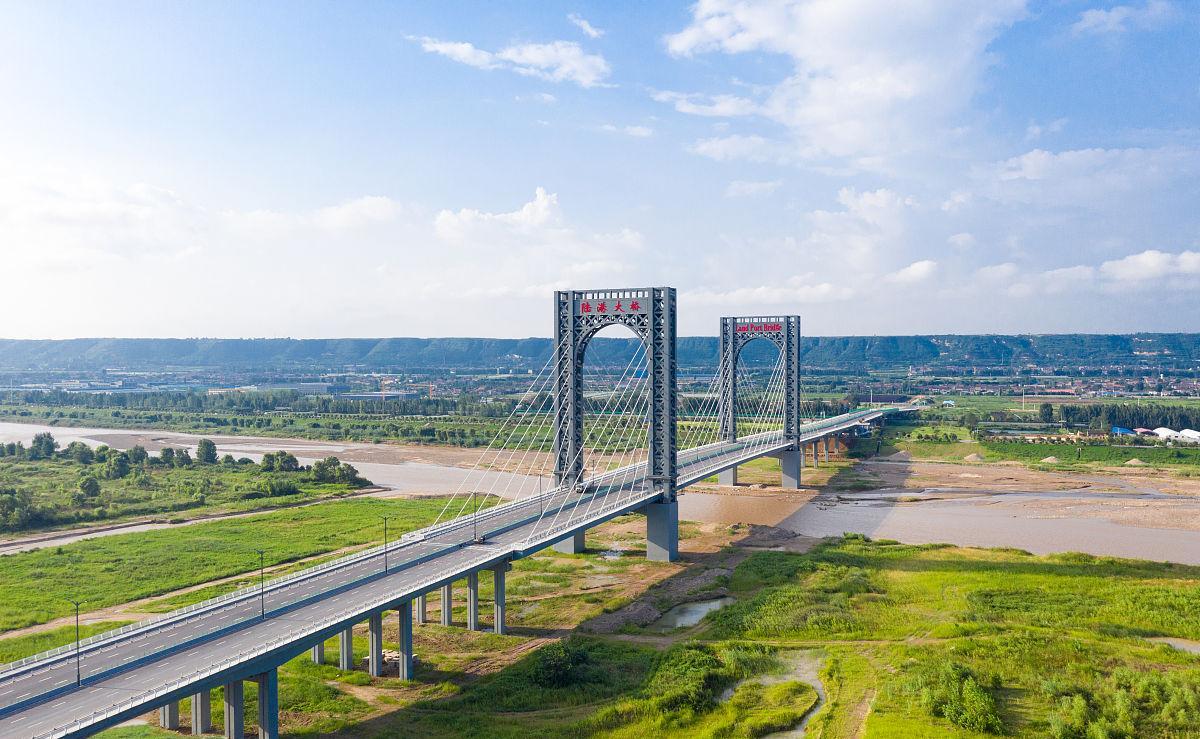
367,169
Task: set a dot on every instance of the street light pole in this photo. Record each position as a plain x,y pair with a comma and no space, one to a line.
385,543
262,582
78,671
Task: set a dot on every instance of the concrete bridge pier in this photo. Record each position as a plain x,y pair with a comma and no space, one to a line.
447,604
422,609
814,453
727,477
573,544
235,719
375,645
406,640
473,601
790,463
498,597
202,713
168,715
268,704
346,649
318,652
662,531
825,448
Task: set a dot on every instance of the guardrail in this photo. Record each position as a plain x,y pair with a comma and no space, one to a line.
143,699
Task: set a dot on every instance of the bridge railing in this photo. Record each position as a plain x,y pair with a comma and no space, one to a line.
146,698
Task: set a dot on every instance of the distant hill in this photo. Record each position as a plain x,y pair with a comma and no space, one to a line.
1178,351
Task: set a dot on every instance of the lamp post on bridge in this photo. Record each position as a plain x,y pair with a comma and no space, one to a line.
262,583
78,671
385,543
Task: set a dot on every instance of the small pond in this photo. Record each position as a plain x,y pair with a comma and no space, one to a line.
689,614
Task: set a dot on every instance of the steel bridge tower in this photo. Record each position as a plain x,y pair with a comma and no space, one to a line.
784,333
650,314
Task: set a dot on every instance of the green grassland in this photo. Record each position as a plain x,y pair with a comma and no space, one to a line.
917,641
116,569
179,492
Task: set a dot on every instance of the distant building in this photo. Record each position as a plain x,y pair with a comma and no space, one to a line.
1122,431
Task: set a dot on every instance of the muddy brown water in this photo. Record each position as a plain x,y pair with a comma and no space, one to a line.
963,516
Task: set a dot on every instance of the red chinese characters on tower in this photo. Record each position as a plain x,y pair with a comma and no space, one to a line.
634,306
585,307
602,307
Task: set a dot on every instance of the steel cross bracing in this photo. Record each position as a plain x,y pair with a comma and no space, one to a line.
579,315
783,332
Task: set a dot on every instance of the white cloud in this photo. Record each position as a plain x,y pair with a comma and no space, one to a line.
793,291
721,106
961,240
736,146
557,61
1087,177
588,29
637,132
997,272
916,272
1123,18
751,189
1151,265
1035,131
866,85
957,200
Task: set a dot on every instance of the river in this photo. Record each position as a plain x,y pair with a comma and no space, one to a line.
1040,522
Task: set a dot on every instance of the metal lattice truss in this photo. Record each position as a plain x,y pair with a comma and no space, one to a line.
580,314
783,332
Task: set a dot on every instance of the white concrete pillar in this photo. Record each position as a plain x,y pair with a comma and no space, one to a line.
268,704
375,642
422,609
202,713
406,640
825,448
235,719
662,531
447,604
727,477
814,453
346,649
498,597
573,544
789,468
168,715
318,652
473,601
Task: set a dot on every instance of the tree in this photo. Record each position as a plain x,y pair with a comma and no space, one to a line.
167,455
183,458
970,420
80,452
206,452
89,486
138,454
117,466
43,446
1046,413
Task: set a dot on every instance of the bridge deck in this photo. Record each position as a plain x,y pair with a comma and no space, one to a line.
174,658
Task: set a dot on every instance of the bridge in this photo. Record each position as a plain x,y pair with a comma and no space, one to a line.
566,420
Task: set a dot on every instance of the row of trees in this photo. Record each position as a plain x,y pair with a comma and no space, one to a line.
1132,415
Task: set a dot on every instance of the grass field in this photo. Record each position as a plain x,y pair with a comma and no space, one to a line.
181,492
916,641
116,569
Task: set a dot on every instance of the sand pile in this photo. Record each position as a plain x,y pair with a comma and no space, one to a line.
973,458
1051,460
1135,462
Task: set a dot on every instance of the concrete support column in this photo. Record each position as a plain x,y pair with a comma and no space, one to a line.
406,640
727,477
202,712
268,704
168,715
473,601
814,453
375,641
422,609
498,598
662,531
447,604
573,544
318,652
235,719
825,448
790,462
346,649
